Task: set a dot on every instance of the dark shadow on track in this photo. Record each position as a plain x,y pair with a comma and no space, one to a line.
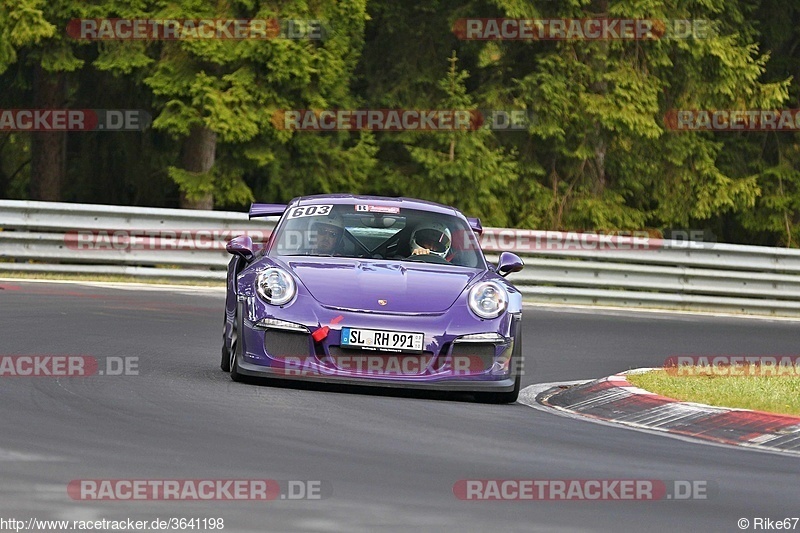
361,390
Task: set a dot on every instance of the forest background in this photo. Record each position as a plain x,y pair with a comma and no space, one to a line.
597,153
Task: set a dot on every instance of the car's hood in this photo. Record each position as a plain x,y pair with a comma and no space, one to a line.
364,284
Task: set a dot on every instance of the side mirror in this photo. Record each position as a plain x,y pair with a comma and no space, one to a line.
241,246
509,263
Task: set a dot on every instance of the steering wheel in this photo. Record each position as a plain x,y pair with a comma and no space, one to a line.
428,258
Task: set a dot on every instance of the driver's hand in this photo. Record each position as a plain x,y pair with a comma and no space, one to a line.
420,251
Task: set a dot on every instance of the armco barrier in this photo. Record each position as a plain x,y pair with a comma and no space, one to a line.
46,237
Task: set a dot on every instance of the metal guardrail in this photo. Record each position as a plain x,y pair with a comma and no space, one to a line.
48,237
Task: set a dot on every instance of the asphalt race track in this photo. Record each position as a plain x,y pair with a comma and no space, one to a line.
389,461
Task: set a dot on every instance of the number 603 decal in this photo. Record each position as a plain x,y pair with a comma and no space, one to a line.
311,211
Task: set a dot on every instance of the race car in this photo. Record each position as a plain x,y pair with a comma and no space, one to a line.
375,291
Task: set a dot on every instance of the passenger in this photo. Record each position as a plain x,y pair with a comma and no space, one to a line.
328,232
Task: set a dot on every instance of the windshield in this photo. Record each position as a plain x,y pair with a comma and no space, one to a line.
377,232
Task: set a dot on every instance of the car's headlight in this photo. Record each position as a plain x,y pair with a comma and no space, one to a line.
275,286
488,299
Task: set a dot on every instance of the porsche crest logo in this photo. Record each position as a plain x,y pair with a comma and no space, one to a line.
382,302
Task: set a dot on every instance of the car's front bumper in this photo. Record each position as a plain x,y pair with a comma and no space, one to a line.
464,384
446,363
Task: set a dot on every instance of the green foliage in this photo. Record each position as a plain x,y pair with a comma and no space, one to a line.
462,168
778,206
224,183
317,163
230,87
22,24
194,184
597,153
598,108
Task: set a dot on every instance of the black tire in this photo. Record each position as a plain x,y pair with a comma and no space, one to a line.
236,349
225,362
501,397
517,362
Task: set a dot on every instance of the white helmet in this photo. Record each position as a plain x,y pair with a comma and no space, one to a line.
434,236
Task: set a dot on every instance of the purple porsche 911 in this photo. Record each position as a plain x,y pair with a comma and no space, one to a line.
365,290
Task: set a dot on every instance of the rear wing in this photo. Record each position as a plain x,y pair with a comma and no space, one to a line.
475,224
266,210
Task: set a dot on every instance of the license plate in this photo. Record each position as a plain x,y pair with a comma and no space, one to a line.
394,341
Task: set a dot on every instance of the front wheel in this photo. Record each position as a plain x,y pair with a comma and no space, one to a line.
225,362
236,349
501,397
517,364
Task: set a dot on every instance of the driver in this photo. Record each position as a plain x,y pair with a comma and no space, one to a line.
431,238
328,231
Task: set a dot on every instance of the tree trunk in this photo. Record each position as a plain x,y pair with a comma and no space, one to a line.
599,64
48,148
600,165
197,155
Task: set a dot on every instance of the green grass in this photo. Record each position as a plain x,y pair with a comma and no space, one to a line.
775,394
106,278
